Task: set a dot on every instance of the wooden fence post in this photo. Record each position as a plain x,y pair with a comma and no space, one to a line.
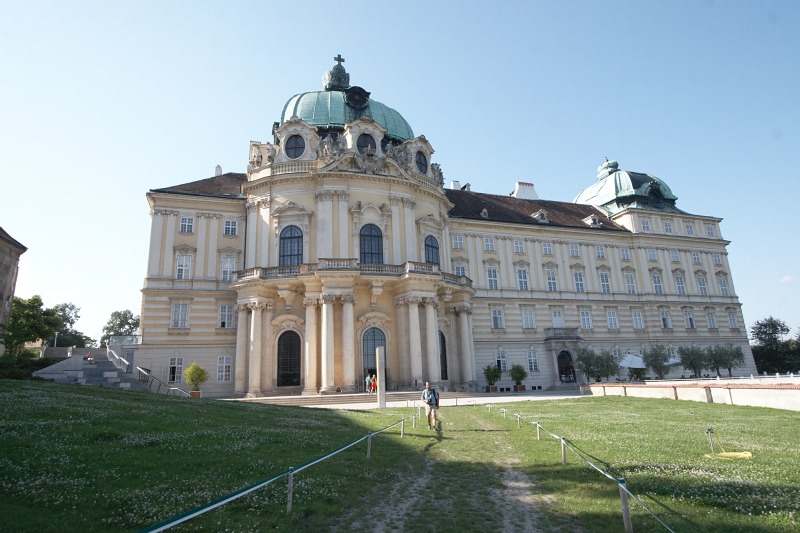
369,444
538,431
519,421
626,509
563,451
402,428
289,487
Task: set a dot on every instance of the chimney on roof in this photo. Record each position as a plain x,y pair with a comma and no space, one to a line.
455,185
218,171
465,187
525,191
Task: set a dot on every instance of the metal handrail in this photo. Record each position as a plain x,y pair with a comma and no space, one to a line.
147,379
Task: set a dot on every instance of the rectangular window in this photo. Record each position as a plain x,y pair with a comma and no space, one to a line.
710,233
458,242
668,227
522,279
228,268
578,281
696,258
180,316
625,254
673,255
630,283
689,229
723,285
688,318
666,319
701,285
187,225
651,254
231,227
586,319
550,274
638,319
611,314
527,319
461,270
712,319
605,282
491,276
558,318
732,320
488,244
183,267
533,361
502,360
519,247
657,287
717,259
680,284
497,318
547,248
175,369
645,224
574,250
224,365
600,251
226,316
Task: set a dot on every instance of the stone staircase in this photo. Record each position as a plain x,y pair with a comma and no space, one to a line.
90,367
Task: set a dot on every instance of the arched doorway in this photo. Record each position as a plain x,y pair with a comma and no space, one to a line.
289,359
373,339
566,371
443,355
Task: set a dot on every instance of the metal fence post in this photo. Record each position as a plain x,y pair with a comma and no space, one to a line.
289,487
563,451
402,428
626,509
369,444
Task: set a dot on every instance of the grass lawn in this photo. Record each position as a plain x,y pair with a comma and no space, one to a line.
78,458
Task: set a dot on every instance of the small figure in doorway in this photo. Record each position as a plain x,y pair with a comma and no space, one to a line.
368,384
375,384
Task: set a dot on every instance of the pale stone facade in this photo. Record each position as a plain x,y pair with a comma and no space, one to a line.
10,252
342,237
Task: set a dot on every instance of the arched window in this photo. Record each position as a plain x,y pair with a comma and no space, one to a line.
443,356
373,338
371,240
295,146
291,246
288,359
431,250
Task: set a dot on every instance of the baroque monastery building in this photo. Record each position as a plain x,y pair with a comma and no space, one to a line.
341,238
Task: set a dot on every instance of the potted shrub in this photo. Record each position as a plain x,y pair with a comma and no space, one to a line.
492,373
518,375
195,375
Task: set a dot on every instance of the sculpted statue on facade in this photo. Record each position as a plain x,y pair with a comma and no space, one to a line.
255,156
436,170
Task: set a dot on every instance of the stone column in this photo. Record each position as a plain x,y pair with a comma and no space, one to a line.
200,263
263,232
327,343
344,249
469,339
169,244
432,346
324,224
310,370
467,373
156,237
415,343
254,355
213,237
240,365
402,343
396,229
348,345
267,350
252,219
410,229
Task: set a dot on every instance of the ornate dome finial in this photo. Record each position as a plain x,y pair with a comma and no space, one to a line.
336,79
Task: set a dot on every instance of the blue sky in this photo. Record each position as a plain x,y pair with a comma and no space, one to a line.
102,101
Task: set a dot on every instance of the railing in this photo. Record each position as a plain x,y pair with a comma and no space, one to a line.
561,333
119,362
293,167
149,380
394,270
337,264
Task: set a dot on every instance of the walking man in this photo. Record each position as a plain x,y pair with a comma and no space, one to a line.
431,400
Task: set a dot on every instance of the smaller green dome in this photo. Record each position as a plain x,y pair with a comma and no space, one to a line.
616,190
339,104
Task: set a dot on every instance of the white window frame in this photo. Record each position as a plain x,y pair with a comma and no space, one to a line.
501,359
611,318
528,319
674,256
690,229
552,280
646,225
225,316
651,254
519,246
533,360
605,283
579,284
717,258
722,281
668,227
224,369
586,318
179,316
491,278
186,225
600,251
710,232
547,248
666,319
557,315
183,266
458,242
630,282
460,270
522,279
488,244
231,228
696,258
574,250
658,287
625,254
175,370
498,321
702,285
711,318
680,283
227,267
638,319
688,318
733,320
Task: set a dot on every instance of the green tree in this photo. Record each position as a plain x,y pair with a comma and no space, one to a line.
724,356
597,365
120,323
29,321
195,375
67,334
771,352
693,358
492,373
656,358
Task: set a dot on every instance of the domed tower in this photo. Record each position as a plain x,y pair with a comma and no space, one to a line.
346,225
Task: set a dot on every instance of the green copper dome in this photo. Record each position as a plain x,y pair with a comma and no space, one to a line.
616,190
340,104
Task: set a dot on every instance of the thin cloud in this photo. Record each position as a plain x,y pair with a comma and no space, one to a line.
786,279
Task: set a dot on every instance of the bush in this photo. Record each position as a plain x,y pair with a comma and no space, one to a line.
518,374
492,373
195,375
